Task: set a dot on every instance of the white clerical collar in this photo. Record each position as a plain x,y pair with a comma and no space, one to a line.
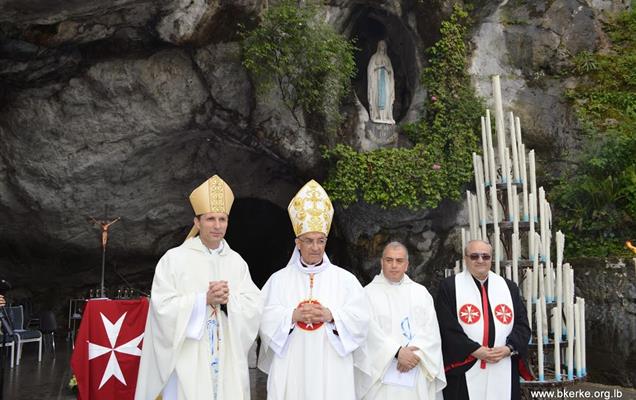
309,269
213,251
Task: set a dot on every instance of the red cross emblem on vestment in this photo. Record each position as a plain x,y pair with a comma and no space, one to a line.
309,327
469,313
503,313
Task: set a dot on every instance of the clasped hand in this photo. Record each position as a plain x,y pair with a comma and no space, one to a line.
311,313
218,293
491,354
407,359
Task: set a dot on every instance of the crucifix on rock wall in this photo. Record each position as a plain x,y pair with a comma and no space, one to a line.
104,225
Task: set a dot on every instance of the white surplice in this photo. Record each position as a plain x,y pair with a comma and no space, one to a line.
318,364
176,344
402,314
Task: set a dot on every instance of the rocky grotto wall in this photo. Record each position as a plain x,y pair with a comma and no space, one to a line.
125,106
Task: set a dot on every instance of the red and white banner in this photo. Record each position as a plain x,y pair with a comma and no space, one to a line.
108,348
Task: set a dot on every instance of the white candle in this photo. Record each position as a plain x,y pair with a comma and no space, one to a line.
514,150
531,228
496,234
535,272
560,242
508,272
508,184
471,215
540,341
542,219
491,151
499,125
583,351
570,351
577,338
515,258
541,304
515,211
494,204
519,140
528,282
463,247
484,149
533,177
557,342
458,268
524,181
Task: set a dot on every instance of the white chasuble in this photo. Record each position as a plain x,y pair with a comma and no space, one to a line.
312,362
486,381
401,315
171,353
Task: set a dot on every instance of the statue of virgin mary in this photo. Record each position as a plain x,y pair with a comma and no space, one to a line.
381,89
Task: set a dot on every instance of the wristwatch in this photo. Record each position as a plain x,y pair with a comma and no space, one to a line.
513,352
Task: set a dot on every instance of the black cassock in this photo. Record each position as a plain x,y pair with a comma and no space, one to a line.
457,347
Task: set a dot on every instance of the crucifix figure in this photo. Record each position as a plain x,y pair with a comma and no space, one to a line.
104,224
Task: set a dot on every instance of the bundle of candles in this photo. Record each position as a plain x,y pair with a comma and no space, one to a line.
518,225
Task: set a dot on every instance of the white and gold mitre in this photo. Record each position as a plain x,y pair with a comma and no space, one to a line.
213,195
311,210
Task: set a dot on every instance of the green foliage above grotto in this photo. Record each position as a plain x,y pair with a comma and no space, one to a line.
293,51
597,197
440,163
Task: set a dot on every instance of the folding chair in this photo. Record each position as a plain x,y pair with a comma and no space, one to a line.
16,314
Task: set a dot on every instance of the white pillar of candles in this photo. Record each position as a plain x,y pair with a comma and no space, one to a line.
539,341
542,220
494,204
514,150
577,337
533,178
560,245
535,271
515,258
463,247
485,150
531,228
491,152
499,125
524,181
557,342
521,152
570,351
528,283
583,351
496,237
508,184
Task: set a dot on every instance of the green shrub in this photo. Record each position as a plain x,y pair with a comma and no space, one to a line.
302,57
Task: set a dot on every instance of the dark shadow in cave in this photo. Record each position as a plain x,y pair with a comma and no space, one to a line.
261,233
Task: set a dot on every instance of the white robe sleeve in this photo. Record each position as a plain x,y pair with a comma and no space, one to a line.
196,324
427,339
351,319
276,323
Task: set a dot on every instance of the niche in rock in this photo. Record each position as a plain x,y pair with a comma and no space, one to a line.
368,26
261,233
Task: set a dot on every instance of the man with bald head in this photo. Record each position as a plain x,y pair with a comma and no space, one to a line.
404,354
484,329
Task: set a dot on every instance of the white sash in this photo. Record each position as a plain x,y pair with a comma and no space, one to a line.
493,382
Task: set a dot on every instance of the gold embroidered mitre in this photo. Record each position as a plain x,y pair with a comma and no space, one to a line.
311,210
213,195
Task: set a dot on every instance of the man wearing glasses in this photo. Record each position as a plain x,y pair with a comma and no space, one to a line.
316,315
404,346
484,330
